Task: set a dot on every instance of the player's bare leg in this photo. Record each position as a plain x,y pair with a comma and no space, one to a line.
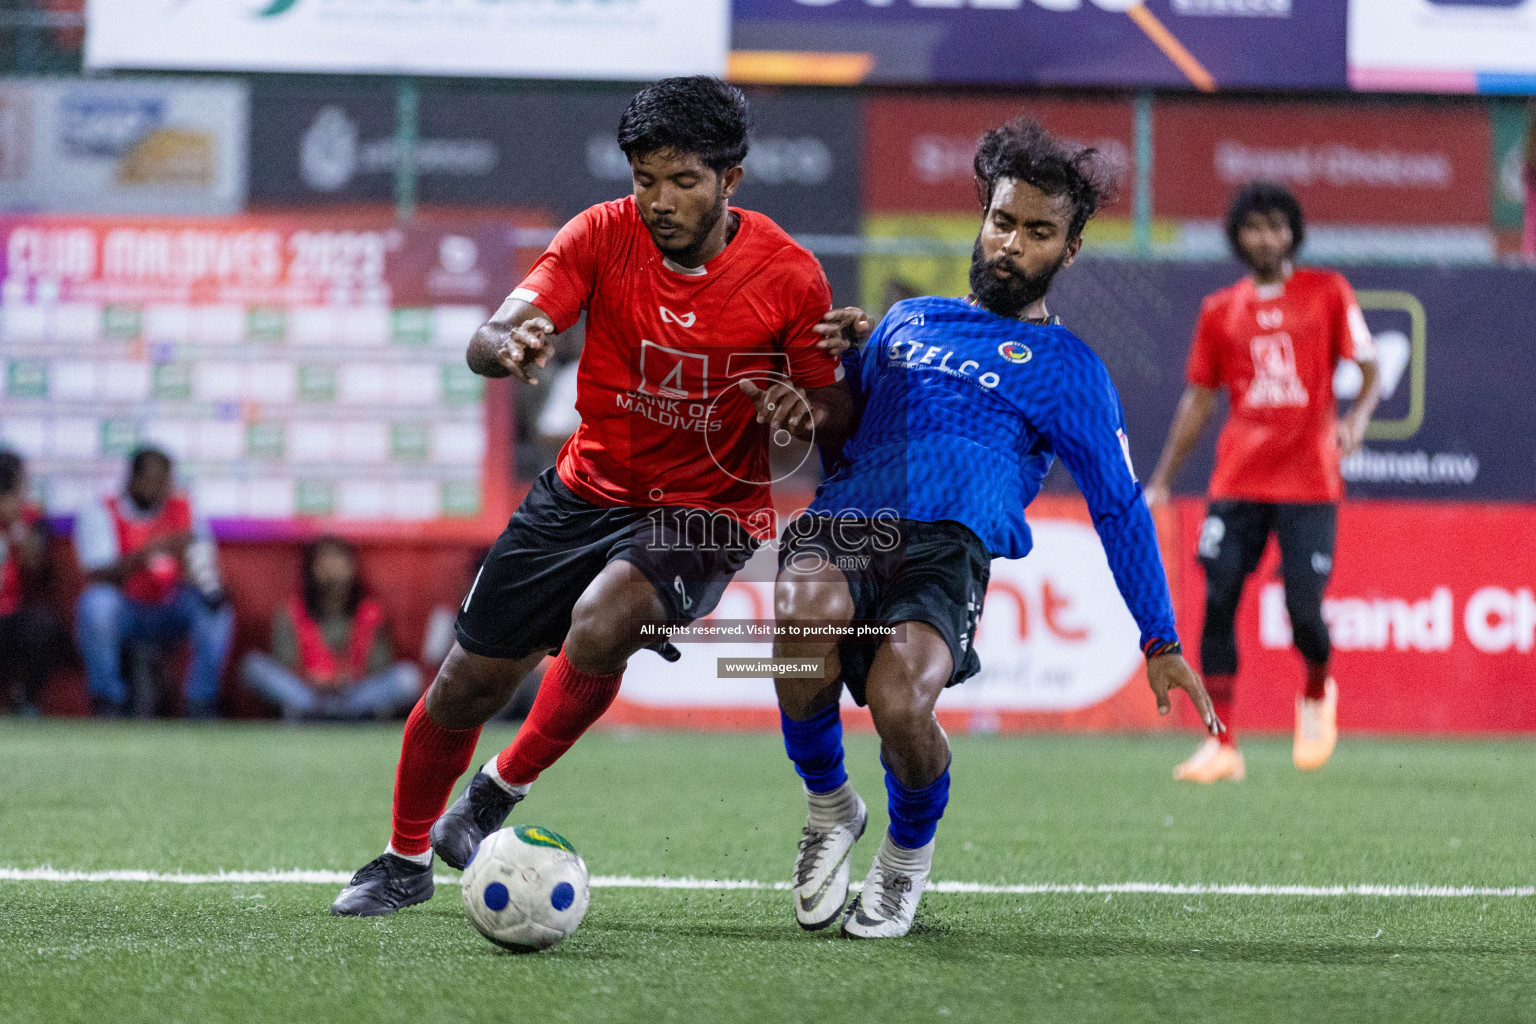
575,691
469,689
602,636
903,686
813,738
439,742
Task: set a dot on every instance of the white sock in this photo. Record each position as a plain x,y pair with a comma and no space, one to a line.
828,810
517,791
424,859
899,858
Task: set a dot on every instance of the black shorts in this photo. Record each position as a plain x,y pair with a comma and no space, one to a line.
898,570
557,543
1234,533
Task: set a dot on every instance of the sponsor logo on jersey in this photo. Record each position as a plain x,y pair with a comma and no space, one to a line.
673,391
686,320
1015,352
934,357
673,373
1275,381
1270,319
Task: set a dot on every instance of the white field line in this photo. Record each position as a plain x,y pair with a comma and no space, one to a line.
50,874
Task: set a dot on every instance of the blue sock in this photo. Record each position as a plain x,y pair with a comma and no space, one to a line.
816,747
915,813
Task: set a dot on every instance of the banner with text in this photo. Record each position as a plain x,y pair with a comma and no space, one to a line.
1360,162
1443,45
1430,610
131,145
1204,44
635,39
541,147
304,373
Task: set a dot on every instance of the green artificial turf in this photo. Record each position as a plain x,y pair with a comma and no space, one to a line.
1056,809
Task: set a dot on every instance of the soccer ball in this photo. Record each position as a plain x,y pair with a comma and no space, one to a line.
525,888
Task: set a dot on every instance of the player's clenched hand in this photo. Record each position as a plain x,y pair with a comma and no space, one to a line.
842,329
1170,672
525,347
1156,494
784,407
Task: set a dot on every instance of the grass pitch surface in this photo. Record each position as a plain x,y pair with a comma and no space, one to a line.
1034,809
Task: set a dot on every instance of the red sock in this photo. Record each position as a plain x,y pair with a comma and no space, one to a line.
1317,675
569,701
1220,689
431,760
1223,709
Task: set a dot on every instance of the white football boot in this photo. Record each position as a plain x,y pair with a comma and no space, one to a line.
888,903
821,868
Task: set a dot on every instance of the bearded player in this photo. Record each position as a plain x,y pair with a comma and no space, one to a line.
660,495
1273,341
962,407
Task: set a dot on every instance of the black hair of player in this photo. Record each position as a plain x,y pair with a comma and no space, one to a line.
140,458
313,602
11,471
1264,197
1023,150
699,114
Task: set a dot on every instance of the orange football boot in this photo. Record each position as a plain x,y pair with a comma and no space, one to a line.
1213,762
1317,728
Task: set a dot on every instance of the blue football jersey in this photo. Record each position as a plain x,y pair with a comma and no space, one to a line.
961,414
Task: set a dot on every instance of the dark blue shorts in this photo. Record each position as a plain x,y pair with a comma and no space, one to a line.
898,570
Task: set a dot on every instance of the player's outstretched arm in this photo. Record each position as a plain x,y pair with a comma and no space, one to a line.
1085,425
1195,409
842,329
513,342
1167,672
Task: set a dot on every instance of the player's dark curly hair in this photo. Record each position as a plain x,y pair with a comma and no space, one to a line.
1021,149
700,115
10,471
1265,197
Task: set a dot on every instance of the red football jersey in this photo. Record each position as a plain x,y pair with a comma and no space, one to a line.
1274,348
663,421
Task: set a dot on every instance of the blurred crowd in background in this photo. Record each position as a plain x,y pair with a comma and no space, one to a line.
153,624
